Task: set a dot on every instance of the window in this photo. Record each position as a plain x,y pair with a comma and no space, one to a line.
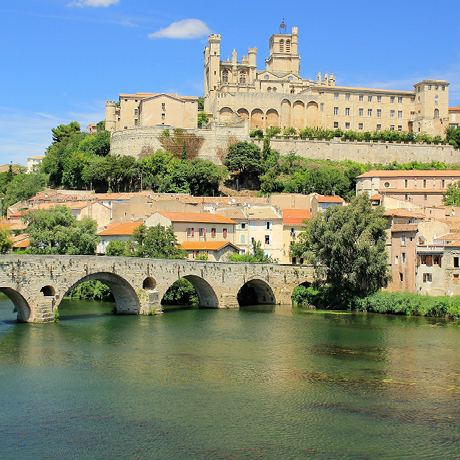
424,183
225,76
399,113
347,97
243,225
427,277
360,126
379,98
455,278
443,183
392,99
437,260
190,232
399,100
403,257
436,87
369,98
347,111
399,127
136,122
213,232
406,184
403,238
163,106
288,46
361,98
379,113
392,127
336,124
269,89
347,125
253,225
136,112
163,116
436,114
369,112
202,232
379,127
336,96
396,260
401,277
321,107
336,110
242,77
224,233
266,77
361,112
274,90
429,87
456,262
392,113
426,259
267,239
282,46
443,87
268,225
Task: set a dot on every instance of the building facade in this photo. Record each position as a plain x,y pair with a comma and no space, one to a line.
278,96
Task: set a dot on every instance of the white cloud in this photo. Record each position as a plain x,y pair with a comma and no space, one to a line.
93,3
187,28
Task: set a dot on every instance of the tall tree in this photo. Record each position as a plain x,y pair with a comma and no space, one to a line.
157,242
347,246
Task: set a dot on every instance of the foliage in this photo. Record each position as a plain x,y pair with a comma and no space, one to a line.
6,243
156,242
245,158
118,248
405,303
201,103
347,247
257,255
453,136
272,131
181,292
203,118
57,231
257,133
92,290
452,194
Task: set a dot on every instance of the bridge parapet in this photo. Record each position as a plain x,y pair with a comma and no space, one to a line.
37,284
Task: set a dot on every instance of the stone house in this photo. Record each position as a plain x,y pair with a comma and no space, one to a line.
115,232
293,223
215,251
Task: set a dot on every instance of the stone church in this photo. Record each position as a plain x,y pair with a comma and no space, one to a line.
279,96
237,94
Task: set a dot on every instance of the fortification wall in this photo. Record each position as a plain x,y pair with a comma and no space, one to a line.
217,139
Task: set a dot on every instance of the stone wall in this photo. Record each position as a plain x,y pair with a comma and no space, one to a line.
217,139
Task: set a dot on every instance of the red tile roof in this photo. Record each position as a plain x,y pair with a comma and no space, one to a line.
329,199
124,229
199,217
295,216
448,173
205,245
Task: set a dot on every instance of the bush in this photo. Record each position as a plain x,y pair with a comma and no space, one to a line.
258,133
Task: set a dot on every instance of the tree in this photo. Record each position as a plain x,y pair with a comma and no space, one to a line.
118,248
452,194
6,243
243,157
204,177
57,231
202,118
64,132
347,246
257,255
157,242
453,136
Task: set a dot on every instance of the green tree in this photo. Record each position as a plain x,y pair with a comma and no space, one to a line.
57,231
157,242
243,157
6,243
347,246
181,292
452,194
22,187
202,118
64,132
453,136
204,177
256,255
118,248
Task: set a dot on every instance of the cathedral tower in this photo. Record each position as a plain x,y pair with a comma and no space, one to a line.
284,55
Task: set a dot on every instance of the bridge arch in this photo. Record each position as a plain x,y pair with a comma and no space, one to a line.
255,292
20,304
206,295
124,294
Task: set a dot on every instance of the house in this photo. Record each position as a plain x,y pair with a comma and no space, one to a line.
319,203
115,232
214,251
293,223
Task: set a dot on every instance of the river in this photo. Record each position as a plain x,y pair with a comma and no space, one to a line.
258,383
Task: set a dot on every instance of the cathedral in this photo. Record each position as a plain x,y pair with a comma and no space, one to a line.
278,96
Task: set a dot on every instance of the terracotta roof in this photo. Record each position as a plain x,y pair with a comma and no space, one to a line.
295,216
375,197
206,245
205,217
13,225
123,229
448,173
454,244
233,213
262,213
329,199
21,241
404,228
400,212
452,109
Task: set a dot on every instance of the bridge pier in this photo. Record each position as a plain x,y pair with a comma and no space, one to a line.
230,301
150,302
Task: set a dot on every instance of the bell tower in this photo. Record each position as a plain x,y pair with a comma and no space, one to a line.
284,55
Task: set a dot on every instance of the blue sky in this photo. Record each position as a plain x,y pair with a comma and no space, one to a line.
62,59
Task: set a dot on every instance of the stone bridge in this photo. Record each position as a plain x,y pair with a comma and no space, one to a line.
37,284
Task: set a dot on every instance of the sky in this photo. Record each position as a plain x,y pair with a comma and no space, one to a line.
61,60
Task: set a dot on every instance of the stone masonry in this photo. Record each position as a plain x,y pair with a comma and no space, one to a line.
37,284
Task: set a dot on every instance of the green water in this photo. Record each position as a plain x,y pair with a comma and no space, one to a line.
221,384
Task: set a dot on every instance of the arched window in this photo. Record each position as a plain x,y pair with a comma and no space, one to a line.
225,76
242,77
282,46
436,114
288,46
269,89
274,90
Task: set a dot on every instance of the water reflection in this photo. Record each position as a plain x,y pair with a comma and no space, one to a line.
228,384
